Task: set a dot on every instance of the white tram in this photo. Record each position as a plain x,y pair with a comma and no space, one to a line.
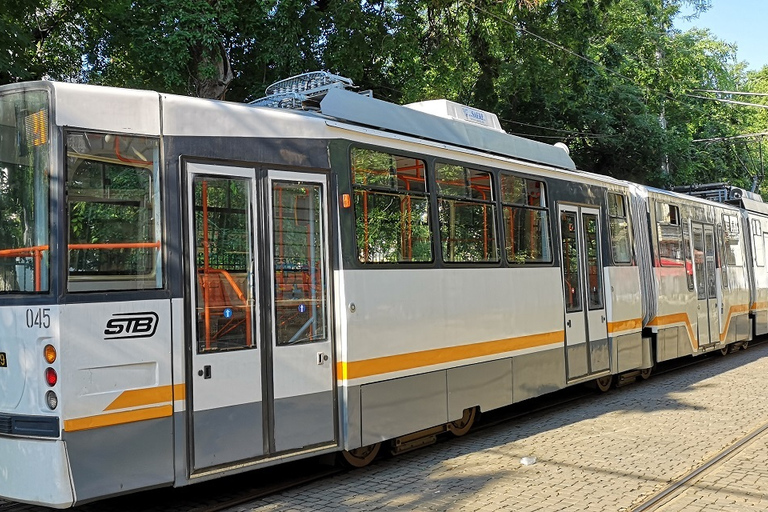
194,288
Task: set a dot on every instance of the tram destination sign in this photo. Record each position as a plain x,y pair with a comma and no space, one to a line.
3,360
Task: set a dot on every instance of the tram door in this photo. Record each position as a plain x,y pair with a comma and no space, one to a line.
226,373
303,404
586,332
261,362
706,282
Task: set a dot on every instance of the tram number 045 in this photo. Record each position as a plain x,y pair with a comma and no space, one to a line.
39,318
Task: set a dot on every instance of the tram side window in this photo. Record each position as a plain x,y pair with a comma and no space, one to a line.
114,213
526,225
670,235
392,213
621,247
757,235
732,240
467,214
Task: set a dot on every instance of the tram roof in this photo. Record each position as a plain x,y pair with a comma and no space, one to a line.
364,110
76,104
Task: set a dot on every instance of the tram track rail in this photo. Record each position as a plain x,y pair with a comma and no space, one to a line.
680,485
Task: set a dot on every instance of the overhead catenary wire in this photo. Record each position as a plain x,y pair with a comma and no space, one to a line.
593,62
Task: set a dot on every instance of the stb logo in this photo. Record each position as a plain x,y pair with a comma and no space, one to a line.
131,325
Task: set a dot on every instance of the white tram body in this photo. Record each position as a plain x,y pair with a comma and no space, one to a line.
197,288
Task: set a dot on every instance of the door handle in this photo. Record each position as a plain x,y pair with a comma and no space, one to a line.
602,318
568,323
321,358
205,372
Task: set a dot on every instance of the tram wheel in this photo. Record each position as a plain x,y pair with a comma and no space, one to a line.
360,457
462,425
645,373
745,345
604,383
726,350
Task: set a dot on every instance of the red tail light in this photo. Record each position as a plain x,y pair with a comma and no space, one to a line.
50,377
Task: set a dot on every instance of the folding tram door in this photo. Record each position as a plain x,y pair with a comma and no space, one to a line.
704,269
261,377
586,331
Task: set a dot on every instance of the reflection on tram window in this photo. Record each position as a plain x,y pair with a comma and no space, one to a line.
571,265
732,240
618,223
594,276
467,214
526,224
300,283
670,235
392,215
114,212
24,171
223,258
758,246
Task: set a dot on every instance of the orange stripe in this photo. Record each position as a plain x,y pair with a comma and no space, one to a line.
676,318
147,396
388,364
759,305
118,418
625,325
742,308
683,318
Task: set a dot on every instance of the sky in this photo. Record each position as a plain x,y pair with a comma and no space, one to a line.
744,22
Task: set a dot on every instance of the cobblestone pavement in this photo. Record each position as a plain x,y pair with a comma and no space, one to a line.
609,453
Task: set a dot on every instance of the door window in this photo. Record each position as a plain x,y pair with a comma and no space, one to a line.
698,262
299,281
223,261
571,264
594,277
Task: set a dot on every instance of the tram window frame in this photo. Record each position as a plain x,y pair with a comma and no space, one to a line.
757,236
523,200
668,215
733,253
615,218
402,243
81,148
463,194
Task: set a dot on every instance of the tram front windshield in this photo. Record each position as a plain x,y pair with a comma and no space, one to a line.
24,171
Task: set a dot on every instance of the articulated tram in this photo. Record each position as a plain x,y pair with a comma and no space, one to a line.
193,288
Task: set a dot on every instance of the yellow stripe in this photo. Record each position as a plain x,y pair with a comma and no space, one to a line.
147,396
388,364
118,418
742,308
676,318
625,325
683,318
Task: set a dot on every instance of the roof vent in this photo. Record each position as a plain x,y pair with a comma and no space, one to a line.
458,112
302,91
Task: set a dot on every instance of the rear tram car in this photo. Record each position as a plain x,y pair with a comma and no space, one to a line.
194,288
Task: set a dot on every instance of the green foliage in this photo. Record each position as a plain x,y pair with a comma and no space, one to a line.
611,78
